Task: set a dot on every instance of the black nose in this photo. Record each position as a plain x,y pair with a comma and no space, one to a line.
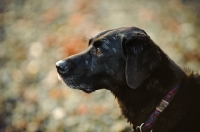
61,67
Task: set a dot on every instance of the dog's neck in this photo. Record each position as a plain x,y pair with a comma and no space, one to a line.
137,105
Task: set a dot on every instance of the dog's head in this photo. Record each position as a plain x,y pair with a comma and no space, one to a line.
114,57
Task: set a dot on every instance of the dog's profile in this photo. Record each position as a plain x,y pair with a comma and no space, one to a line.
154,93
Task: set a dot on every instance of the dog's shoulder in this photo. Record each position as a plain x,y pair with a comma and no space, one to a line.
193,77
188,103
197,78
192,84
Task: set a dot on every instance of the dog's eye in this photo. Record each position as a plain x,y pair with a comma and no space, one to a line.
98,51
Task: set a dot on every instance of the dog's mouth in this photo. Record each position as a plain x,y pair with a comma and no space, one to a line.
74,84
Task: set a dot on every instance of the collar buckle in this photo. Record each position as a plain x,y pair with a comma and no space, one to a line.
139,128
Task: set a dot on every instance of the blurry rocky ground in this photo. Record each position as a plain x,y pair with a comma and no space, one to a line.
36,34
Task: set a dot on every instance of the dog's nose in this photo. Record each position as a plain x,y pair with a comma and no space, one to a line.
62,67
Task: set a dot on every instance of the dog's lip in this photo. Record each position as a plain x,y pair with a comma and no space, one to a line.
60,78
86,90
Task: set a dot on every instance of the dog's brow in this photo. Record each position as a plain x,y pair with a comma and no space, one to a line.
90,41
97,43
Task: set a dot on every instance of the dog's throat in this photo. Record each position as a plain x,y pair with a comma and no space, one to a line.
147,126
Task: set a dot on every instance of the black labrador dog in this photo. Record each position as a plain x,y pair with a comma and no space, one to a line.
154,94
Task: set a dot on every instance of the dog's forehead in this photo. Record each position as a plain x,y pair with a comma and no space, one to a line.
118,33
123,31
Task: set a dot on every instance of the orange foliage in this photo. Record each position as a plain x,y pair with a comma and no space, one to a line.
74,44
82,109
57,93
50,39
76,19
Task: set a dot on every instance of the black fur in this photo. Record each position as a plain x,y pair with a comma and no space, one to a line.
129,64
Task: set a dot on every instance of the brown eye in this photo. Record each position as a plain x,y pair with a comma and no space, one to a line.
98,51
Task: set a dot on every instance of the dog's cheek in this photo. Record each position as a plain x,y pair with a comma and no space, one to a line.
92,67
110,72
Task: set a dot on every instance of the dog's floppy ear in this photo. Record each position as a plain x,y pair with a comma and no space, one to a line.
142,56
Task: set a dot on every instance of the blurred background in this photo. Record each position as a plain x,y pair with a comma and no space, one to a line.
36,34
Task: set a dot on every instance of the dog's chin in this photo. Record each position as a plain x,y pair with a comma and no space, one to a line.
84,89
87,90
